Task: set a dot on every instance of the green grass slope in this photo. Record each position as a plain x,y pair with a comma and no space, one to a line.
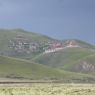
11,68
80,43
85,65
70,59
63,57
7,34
14,68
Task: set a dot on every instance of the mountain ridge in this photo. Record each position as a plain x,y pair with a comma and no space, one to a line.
35,56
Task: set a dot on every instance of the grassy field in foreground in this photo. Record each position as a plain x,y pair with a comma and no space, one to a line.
50,89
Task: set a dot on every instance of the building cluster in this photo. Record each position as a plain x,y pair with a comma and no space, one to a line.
53,47
21,44
59,46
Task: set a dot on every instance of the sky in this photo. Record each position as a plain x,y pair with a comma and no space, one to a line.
61,19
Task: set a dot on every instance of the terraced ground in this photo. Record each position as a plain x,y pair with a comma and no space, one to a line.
50,89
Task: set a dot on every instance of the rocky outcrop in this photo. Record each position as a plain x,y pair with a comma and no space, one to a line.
84,67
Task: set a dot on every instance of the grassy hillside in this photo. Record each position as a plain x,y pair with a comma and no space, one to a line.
85,65
70,59
80,43
85,44
63,57
6,35
60,65
20,69
14,68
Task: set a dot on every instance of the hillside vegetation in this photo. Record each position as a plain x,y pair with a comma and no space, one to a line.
44,58
80,60
7,35
80,43
11,68
14,68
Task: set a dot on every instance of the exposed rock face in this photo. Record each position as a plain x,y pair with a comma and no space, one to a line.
87,66
84,67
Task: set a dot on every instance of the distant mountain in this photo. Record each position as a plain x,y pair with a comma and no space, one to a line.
17,42
23,44
70,60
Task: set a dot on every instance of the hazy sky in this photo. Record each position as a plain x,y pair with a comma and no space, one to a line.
61,19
